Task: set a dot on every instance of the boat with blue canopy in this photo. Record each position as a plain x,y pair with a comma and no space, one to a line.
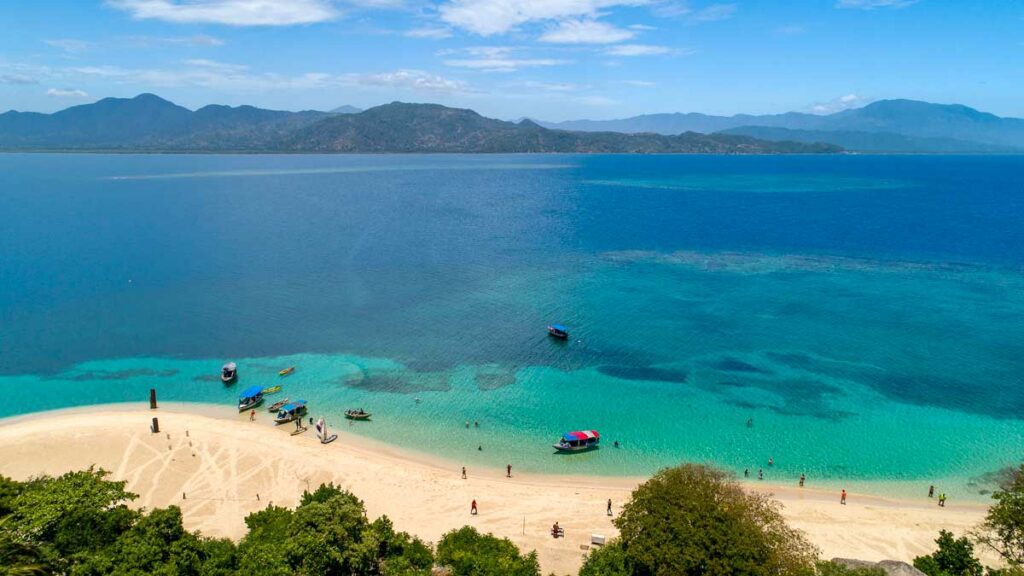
558,331
578,441
251,397
291,411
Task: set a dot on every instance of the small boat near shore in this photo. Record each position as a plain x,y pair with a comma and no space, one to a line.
286,371
277,405
578,441
291,411
251,397
229,373
558,331
357,414
272,390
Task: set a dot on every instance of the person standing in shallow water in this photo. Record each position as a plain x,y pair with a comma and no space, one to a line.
942,500
252,416
746,472
760,474
931,491
802,478
508,471
842,498
463,472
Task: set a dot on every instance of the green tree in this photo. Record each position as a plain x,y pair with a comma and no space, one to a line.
9,490
954,557
468,553
1003,528
696,520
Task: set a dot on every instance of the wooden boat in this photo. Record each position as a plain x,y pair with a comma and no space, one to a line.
290,412
251,397
558,331
286,371
272,390
277,405
578,441
357,414
229,373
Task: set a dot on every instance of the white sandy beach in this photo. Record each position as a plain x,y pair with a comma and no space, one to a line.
220,469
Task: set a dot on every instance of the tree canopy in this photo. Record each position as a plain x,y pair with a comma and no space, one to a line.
1003,528
694,519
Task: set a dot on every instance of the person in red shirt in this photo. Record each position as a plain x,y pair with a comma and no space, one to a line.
472,508
842,497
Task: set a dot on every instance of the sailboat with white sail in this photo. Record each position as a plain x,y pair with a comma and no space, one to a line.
321,432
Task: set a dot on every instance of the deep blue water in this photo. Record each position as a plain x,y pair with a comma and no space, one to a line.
866,311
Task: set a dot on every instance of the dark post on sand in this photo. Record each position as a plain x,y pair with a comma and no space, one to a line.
156,425
152,398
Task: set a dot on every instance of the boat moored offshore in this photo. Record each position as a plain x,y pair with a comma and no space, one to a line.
578,441
558,331
251,397
229,373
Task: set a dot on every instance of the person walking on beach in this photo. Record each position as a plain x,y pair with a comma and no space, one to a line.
942,500
931,491
508,471
802,478
842,498
252,416
609,506
463,472
472,508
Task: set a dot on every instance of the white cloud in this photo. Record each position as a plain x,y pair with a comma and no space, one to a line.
495,59
432,33
197,40
681,9
839,104
872,4
638,50
489,17
551,86
640,83
643,27
66,93
230,12
69,44
713,13
414,80
585,31
17,79
205,74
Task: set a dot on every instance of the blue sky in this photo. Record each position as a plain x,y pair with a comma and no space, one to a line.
548,59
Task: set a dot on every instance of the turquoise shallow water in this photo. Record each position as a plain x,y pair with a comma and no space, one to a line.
867,314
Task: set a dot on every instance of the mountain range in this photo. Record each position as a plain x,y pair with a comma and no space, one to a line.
150,123
882,126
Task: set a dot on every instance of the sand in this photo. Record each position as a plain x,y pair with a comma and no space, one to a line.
219,467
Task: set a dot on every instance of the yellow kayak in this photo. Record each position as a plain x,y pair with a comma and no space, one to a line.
286,371
272,390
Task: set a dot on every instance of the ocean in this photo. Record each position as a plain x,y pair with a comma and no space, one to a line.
865,313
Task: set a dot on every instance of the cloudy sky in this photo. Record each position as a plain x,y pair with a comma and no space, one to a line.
548,59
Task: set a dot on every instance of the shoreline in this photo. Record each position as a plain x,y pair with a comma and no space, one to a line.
219,467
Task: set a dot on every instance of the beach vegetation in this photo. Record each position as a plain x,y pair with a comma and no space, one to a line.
1003,528
694,519
466,552
954,557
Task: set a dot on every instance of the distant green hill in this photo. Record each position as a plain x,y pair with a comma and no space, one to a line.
900,126
150,123
872,141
